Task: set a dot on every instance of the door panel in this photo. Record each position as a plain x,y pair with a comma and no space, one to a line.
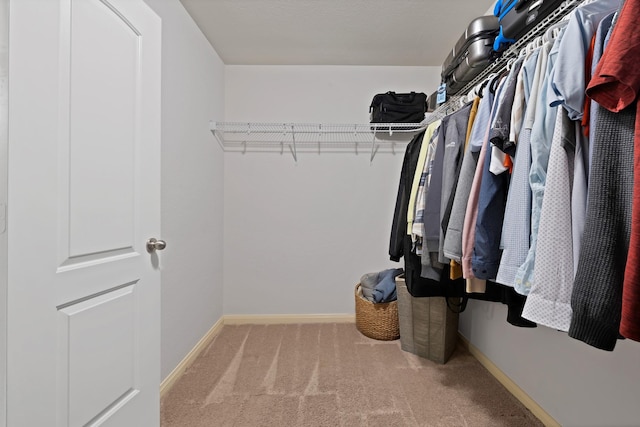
84,196
97,346
103,137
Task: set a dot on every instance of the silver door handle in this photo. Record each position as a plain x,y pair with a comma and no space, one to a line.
155,245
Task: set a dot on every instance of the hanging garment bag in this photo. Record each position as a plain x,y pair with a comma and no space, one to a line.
517,17
472,53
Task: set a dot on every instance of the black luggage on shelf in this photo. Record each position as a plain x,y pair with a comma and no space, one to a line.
517,17
472,53
394,107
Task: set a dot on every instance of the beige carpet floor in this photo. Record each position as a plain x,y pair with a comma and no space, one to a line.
330,375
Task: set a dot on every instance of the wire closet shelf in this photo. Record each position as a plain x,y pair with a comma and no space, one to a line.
313,137
360,138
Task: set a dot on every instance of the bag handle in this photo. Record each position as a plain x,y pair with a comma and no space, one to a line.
411,95
460,307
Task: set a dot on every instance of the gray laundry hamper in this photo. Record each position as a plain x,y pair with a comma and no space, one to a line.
428,327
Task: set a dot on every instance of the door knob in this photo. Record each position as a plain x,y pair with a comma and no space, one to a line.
155,245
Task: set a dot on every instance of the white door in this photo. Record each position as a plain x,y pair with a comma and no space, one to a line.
84,197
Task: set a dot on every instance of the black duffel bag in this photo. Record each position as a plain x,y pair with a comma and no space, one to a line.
394,107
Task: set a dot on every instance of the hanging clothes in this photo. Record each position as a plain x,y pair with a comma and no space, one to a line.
477,284
455,270
517,218
422,168
455,135
399,224
541,127
549,300
452,247
533,202
432,196
568,88
494,186
597,292
615,86
422,155
501,127
401,245
431,268
568,75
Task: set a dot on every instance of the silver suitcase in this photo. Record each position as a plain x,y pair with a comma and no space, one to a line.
472,53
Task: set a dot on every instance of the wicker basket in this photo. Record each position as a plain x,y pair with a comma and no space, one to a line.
376,320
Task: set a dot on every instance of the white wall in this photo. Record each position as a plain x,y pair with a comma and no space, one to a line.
192,184
298,236
576,384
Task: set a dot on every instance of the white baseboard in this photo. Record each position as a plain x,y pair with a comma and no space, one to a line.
175,375
272,319
509,384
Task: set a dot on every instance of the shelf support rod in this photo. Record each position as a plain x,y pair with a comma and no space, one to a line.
373,144
284,137
213,126
294,151
244,143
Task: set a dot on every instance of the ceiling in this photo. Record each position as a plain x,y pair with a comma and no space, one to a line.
334,32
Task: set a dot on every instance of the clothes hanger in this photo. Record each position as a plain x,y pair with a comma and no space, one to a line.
529,48
553,31
523,52
478,89
484,84
493,86
538,41
475,92
534,44
470,95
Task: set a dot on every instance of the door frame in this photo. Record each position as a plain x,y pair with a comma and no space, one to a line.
4,186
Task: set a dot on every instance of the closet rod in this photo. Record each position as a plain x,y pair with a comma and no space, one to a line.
500,64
